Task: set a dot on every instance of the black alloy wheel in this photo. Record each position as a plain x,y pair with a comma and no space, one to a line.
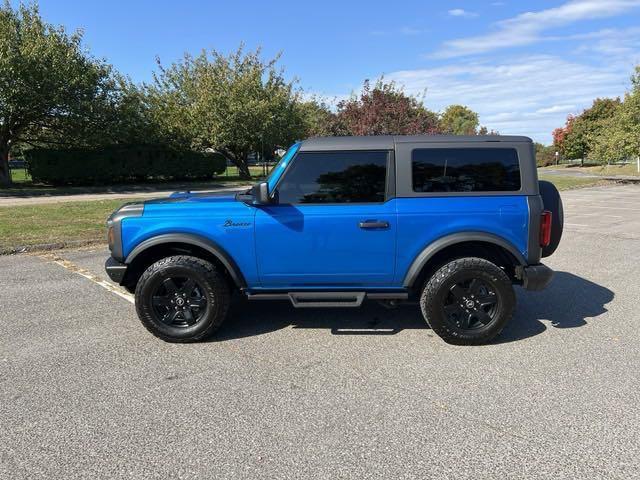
179,302
468,301
470,304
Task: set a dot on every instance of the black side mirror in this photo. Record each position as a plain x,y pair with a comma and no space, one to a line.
260,193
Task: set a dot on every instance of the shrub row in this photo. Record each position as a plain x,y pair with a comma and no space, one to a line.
81,166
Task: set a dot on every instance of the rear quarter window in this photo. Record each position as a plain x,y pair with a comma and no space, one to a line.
465,170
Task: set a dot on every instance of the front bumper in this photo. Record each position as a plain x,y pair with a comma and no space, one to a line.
115,270
535,277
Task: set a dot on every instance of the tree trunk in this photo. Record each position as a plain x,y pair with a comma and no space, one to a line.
243,169
5,177
239,159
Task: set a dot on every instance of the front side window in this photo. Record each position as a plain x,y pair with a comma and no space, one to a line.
335,177
465,170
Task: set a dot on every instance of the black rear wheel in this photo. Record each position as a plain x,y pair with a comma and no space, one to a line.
468,301
470,304
182,299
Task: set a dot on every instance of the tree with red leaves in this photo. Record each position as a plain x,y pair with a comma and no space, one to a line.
383,109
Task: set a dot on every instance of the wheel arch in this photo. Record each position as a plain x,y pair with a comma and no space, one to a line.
160,246
479,244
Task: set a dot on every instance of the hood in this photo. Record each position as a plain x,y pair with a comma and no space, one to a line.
195,204
208,197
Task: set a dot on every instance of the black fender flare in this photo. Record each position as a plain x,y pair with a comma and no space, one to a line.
195,240
443,242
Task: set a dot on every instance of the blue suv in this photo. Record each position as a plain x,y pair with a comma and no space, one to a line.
449,222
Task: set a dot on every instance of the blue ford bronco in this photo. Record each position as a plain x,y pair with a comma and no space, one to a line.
449,222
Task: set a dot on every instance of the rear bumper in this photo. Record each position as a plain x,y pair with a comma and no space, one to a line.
115,269
535,277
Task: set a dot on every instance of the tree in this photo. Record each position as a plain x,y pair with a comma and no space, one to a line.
235,104
485,131
383,109
47,82
318,118
560,133
545,154
580,132
619,138
459,120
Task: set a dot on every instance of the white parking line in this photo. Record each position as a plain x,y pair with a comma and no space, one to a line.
72,267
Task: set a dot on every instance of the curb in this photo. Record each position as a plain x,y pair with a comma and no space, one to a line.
623,180
46,247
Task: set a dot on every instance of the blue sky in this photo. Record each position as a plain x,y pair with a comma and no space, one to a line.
523,66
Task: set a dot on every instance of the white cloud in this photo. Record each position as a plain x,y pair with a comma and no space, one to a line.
527,28
531,95
556,108
508,95
610,43
459,12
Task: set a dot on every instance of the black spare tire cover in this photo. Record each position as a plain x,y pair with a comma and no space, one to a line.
552,202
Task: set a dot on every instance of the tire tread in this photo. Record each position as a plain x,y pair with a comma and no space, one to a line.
433,284
214,277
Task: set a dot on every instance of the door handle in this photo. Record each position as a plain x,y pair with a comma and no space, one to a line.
368,224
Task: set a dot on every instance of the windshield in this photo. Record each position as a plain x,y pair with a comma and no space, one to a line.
276,173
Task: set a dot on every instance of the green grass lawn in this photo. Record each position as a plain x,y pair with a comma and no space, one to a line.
601,170
56,222
20,175
255,171
607,170
567,183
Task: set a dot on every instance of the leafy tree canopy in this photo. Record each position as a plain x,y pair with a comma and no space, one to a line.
576,140
383,109
619,138
235,104
459,120
51,90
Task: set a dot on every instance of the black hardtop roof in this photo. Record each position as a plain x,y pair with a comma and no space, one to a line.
387,142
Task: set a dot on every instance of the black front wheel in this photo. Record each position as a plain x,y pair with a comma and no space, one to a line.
468,301
182,299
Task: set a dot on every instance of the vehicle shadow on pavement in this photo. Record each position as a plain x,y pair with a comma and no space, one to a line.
567,302
259,317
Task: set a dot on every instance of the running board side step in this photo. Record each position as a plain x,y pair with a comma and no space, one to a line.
327,299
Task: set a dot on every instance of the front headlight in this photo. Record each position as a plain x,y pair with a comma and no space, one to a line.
111,237
114,227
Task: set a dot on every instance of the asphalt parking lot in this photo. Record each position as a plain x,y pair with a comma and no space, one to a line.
87,392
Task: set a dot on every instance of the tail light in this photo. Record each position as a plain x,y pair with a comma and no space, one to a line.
545,228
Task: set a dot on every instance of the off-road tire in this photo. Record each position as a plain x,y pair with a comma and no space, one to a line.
437,288
215,289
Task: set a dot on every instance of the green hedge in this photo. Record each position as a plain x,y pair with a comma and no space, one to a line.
80,166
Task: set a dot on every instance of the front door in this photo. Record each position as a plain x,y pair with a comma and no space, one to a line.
333,225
